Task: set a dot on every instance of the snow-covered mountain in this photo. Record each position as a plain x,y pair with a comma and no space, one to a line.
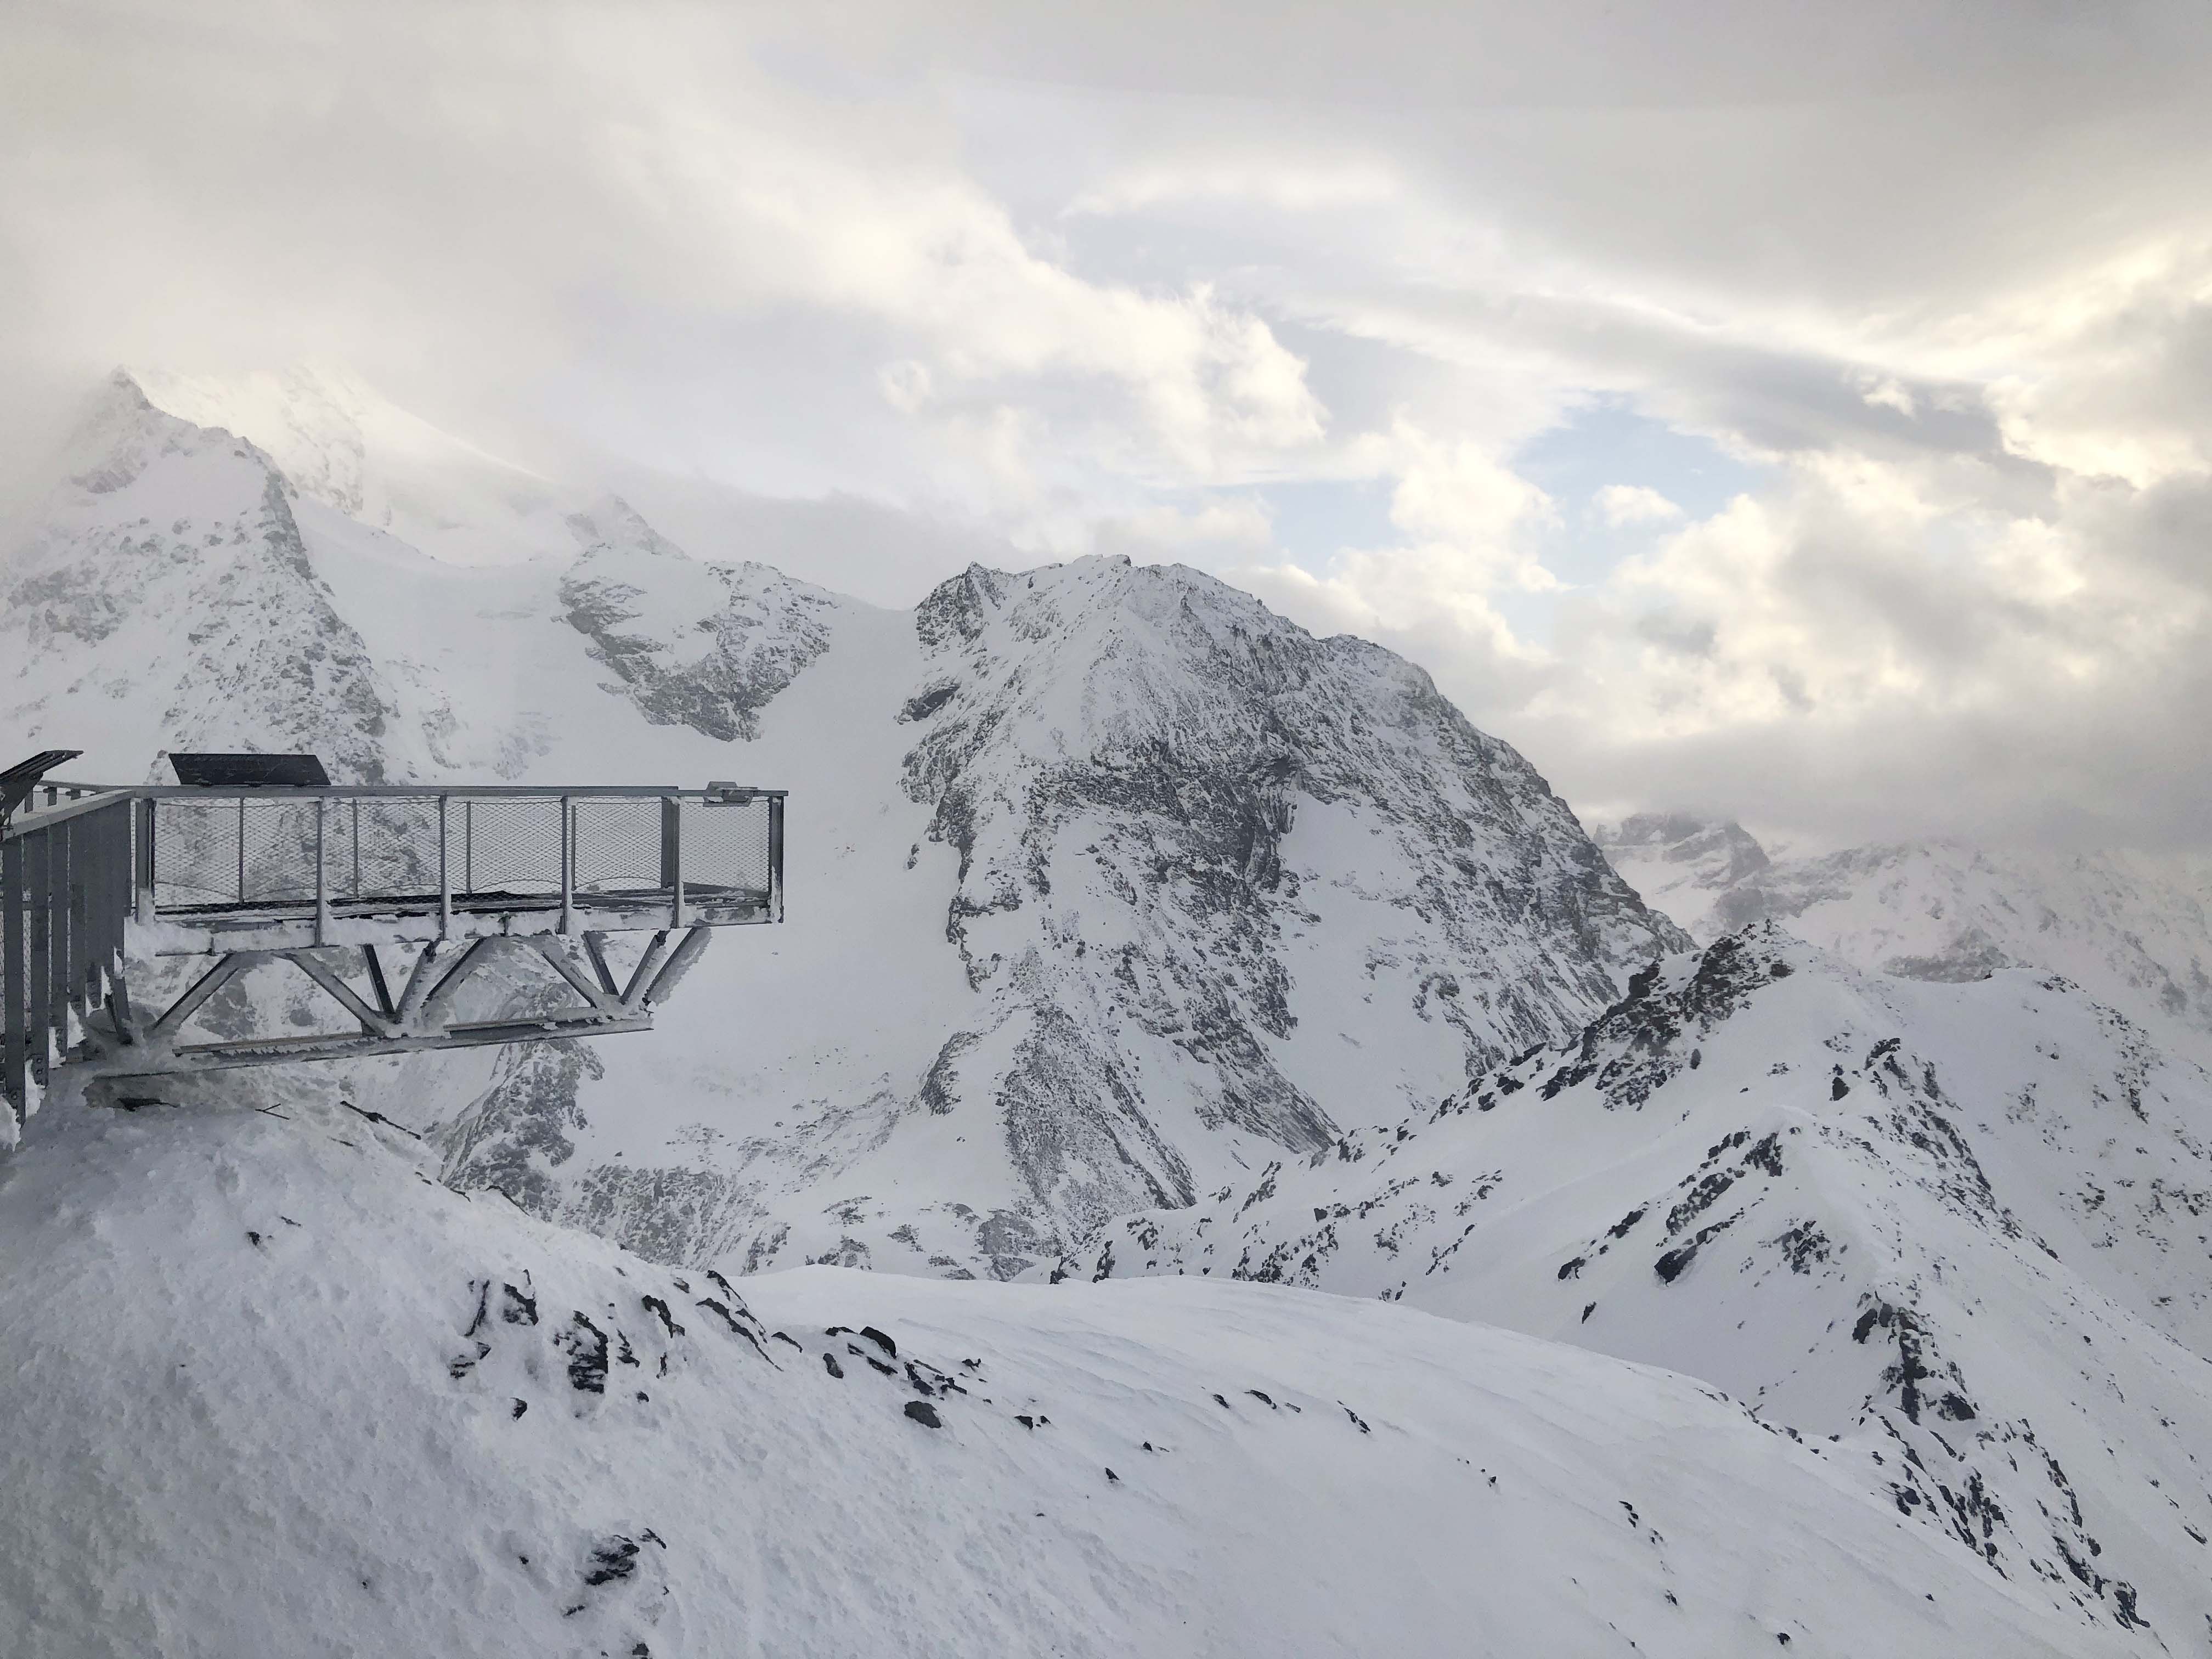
2134,929
1132,929
1105,882
1959,1230
273,1391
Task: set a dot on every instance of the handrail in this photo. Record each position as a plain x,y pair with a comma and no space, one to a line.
276,870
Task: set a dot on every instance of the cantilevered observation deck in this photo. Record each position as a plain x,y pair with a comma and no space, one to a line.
390,900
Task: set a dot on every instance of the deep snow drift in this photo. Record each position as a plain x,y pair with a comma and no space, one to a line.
1962,1227
277,1394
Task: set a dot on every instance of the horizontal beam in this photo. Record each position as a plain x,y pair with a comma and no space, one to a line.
291,926
276,1051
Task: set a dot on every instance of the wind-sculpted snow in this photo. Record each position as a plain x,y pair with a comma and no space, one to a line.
1963,1230
273,1391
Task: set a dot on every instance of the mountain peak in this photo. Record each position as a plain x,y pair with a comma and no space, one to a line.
346,445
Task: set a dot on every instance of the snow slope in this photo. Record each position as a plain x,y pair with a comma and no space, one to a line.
1961,1228
2134,929
277,1394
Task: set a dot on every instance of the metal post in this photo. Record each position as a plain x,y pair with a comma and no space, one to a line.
14,1033
468,847
356,849
444,876
39,1004
57,935
144,850
241,849
775,858
671,857
77,958
322,884
568,865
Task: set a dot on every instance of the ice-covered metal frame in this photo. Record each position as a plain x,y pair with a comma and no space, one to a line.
389,900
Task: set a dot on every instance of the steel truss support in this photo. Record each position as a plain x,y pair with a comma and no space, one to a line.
420,1018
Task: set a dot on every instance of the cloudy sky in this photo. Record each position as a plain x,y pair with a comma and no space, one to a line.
1799,411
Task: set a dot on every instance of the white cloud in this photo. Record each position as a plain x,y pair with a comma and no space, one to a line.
1038,269
1623,505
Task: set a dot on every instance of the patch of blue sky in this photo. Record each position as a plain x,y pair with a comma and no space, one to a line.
1607,442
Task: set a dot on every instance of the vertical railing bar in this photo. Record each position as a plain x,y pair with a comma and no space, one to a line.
775,858
356,849
568,865
468,846
38,891
76,957
671,857
445,873
322,866
144,852
241,849
14,1033
58,894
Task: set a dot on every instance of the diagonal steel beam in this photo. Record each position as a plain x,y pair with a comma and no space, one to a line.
551,947
206,985
438,1004
595,946
693,947
421,981
342,993
378,983
641,976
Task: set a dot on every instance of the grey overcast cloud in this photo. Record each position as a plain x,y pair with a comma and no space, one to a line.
1801,412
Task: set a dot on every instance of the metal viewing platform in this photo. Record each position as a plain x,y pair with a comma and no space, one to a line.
390,900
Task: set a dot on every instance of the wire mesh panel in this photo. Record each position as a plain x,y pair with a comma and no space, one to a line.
506,845
726,846
197,853
385,847
616,845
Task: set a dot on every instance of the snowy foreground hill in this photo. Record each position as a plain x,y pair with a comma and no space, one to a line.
1957,1233
275,1393
1105,881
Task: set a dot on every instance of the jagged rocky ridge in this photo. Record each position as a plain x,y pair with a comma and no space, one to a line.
1963,1230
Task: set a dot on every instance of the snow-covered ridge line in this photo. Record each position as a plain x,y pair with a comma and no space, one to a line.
1961,1227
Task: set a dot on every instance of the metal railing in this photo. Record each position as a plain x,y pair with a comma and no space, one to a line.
215,870
65,897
